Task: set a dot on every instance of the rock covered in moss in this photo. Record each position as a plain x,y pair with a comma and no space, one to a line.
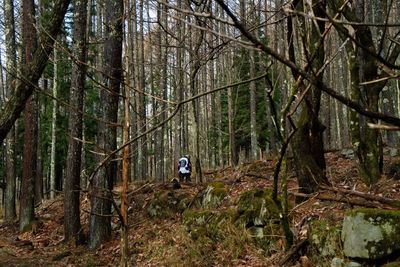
371,233
167,203
260,215
213,195
206,222
324,237
256,208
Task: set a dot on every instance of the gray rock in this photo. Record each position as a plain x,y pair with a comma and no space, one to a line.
338,262
347,153
371,233
214,195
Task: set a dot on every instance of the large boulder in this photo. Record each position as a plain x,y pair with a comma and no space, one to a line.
371,233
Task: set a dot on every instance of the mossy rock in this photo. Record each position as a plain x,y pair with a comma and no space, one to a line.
371,233
324,238
167,203
207,223
256,208
212,196
260,215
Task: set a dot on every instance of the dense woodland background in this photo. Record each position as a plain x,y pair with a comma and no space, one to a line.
118,90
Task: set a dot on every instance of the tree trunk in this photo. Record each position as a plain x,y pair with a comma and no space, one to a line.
72,225
29,171
308,147
53,128
100,220
11,64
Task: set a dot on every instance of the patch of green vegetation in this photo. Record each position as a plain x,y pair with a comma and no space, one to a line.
213,195
260,216
256,208
167,203
325,240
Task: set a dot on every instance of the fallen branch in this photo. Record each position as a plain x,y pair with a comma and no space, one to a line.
388,201
343,199
256,175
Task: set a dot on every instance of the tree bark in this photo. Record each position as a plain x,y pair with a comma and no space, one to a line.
308,147
11,64
29,171
102,184
72,225
53,128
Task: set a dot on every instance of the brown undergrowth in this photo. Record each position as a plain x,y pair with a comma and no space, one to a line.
166,242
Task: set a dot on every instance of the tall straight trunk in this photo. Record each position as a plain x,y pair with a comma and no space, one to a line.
11,65
162,84
102,184
29,171
253,109
142,87
125,179
53,127
179,84
232,144
72,224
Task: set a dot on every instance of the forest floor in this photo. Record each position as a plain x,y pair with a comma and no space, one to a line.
165,242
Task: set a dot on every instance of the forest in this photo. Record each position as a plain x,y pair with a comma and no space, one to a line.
287,110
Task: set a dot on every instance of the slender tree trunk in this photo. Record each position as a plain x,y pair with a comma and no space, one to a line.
100,220
9,205
72,187
29,172
53,127
162,84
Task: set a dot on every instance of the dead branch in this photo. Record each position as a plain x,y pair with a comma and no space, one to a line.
384,200
342,199
255,175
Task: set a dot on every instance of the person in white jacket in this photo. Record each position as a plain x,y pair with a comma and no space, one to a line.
184,169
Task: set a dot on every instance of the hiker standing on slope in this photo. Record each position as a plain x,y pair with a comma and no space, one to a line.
184,169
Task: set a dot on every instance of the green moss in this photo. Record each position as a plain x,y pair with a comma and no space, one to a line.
167,203
324,237
213,195
206,223
256,207
375,214
259,215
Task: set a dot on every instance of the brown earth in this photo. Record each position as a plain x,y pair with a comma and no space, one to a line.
164,242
